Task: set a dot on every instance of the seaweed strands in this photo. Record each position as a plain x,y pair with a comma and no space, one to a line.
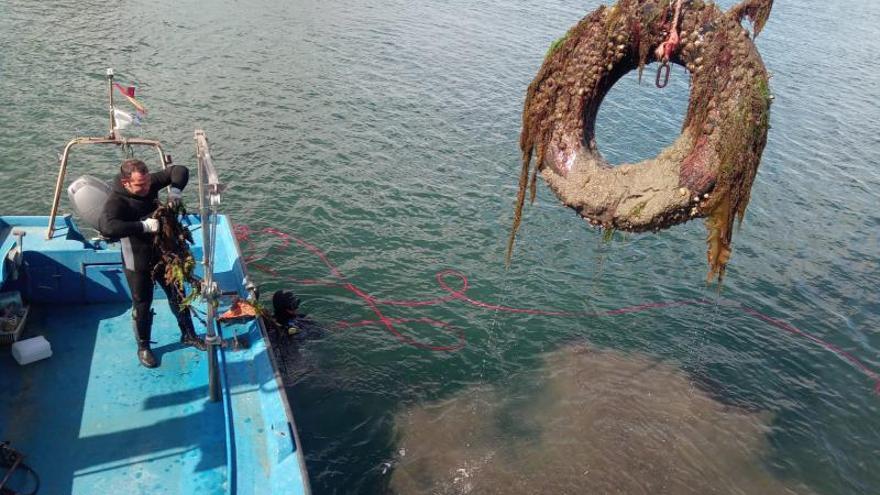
174,263
706,173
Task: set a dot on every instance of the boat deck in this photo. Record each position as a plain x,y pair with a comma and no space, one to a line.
90,419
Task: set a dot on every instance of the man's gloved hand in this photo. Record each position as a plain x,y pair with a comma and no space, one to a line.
174,195
151,225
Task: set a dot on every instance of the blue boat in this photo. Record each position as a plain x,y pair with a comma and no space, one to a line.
89,419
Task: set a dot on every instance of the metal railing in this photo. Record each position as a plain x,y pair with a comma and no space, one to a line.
62,172
209,202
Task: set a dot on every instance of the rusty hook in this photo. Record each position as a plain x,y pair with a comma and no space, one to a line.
663,65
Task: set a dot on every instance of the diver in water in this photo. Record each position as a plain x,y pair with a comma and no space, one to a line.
290,329
127,216
289,321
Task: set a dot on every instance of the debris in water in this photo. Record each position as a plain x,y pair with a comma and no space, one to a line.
717,154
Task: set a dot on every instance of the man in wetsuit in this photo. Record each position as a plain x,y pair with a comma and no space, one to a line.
288,321
127,216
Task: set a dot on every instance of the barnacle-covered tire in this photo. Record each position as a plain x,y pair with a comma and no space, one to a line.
707,171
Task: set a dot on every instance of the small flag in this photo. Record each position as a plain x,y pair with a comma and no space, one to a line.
124,119
128,93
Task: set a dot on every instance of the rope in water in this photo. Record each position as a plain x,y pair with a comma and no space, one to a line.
244,234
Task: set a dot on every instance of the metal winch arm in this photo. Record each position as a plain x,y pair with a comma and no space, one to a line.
209,202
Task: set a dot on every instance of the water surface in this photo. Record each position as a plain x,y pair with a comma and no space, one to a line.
386,133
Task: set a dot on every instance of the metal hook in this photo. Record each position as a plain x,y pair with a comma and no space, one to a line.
664,65
127,150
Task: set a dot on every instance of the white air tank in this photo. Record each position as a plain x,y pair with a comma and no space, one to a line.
87,195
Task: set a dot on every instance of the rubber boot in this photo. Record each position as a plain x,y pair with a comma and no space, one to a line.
143,324
188,335
146,357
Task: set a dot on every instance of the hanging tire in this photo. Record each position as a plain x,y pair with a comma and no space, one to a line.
706,172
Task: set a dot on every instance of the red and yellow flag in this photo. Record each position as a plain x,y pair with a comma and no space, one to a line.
128,93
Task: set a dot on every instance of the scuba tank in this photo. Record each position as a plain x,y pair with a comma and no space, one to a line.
87,196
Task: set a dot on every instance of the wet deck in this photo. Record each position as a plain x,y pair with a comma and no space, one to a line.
90,419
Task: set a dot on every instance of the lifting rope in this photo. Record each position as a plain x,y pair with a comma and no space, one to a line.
668,48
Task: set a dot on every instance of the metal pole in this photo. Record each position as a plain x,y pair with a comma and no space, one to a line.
162,157
58,185
209,289
110,95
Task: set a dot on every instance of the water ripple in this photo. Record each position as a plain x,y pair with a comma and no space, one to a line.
387,133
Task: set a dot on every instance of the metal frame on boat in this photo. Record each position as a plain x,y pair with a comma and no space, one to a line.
112,138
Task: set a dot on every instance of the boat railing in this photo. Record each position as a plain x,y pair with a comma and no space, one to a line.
209,202
65,158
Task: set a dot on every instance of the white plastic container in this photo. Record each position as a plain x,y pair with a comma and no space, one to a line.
29,350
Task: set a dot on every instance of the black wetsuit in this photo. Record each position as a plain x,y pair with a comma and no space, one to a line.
121,219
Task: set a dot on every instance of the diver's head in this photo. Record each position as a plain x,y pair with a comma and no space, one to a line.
135,177
285,304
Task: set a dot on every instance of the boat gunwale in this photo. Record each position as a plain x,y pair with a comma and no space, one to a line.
285,401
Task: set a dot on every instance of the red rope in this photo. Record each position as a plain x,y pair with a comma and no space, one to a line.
243,234
666,49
